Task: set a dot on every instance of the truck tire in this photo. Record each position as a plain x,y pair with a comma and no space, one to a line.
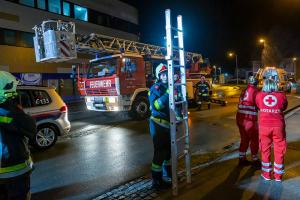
140,108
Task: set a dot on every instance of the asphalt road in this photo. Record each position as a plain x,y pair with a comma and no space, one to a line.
108,149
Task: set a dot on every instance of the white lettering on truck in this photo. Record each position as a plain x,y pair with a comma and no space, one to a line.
99,84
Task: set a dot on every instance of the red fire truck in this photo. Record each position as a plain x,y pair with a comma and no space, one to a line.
118,79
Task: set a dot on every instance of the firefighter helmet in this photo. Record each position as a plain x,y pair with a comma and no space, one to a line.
159,69
8,86
252,80
270,85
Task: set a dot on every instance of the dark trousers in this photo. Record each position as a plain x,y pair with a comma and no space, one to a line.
161,143
16,189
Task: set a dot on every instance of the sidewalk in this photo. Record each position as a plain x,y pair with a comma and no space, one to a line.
226,180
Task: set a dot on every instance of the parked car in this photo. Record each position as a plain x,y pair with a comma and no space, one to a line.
49,111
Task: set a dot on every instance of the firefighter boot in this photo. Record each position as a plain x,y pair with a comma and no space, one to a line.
167,176
157,181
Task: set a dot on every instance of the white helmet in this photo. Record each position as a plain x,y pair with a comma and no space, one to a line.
270,85
159,69
252,80
8,86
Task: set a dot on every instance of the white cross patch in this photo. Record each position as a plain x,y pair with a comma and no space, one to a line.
270,100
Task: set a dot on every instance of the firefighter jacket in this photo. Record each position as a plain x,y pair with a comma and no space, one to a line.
203,88
246,107
271,107
159,104
15,128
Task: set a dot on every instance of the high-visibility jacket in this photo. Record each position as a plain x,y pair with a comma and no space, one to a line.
203,88
271,107
159,104
246,107
15,128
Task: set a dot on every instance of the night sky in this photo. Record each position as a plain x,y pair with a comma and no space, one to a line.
213,27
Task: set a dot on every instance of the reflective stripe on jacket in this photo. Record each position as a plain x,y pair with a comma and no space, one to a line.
246,107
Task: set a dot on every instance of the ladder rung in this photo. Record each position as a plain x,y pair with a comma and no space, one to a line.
178,48
176,29
178,66
181,120
179,102
180,138
178,84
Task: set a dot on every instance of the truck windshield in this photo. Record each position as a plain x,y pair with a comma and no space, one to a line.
102,68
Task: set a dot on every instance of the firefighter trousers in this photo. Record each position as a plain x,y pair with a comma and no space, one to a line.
162,144
277,137
249,135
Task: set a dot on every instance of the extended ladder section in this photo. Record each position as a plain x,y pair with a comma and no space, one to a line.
179,128
56,41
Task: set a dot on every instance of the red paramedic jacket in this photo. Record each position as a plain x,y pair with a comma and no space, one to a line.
246,106
271,107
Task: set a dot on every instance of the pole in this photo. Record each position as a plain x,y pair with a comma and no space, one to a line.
237,70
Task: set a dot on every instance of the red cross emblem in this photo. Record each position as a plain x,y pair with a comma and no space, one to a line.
270,100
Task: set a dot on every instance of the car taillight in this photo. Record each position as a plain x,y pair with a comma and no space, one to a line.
64,109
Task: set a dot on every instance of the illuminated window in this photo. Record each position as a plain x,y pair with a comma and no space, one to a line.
66,9
80,13
41,4
54,6
27,2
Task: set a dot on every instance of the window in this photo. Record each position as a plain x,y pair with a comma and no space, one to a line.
27,2
103,68
24,98
80,13
128,66
40,97
26,39
66,8
41,4
9,37
54,6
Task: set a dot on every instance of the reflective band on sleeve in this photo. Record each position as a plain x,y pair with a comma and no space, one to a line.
156,105
247,112
278,171
248,107
161,122
27,163
266,170
6,120
280,166
156,168
266,164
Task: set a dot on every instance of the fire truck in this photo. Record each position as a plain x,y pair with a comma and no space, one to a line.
119,76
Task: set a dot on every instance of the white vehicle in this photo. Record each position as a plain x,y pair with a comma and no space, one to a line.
49,111
276,73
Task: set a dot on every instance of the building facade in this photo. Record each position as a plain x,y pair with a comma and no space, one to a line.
18,17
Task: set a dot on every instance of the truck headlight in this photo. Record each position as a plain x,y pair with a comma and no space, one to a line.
88,99
112,99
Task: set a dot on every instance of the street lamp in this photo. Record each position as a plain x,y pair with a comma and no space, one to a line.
262,41
232,54
294,65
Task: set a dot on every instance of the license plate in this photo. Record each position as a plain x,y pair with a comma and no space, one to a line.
98,105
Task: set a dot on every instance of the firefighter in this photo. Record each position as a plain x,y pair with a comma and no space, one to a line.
271,104
160,129
15,128
203,91
246,119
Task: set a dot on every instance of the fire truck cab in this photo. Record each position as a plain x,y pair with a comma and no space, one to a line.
118,82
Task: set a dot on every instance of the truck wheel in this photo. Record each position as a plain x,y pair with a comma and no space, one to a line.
140,108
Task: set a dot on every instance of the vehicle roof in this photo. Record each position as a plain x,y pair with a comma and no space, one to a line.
32,87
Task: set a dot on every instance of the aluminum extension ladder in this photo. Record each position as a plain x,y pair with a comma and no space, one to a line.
179,129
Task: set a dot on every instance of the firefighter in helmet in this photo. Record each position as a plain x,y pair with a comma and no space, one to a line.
246,119
15,128
272,103
160,129
203,92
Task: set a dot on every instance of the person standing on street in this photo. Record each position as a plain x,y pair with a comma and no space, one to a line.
203,88
246,119
160,129
271,104
15,128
